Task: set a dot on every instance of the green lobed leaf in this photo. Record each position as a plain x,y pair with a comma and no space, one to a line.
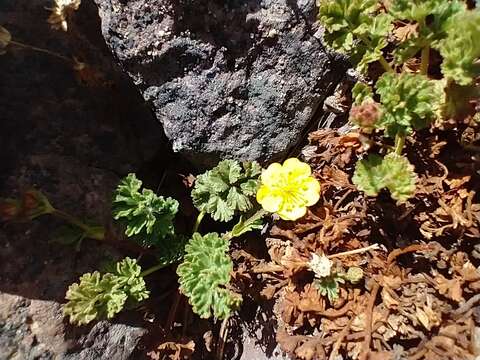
148,218
355,28
409,101
361,92
226,189
329,286
461,48
99,296
431,17
393,172
204,275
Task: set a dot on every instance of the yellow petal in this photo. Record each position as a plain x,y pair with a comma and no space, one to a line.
292,213
310,191
269,200
270,176
296,168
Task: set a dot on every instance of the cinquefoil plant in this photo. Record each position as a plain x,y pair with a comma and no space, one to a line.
227,189
403,103
205,274
99,296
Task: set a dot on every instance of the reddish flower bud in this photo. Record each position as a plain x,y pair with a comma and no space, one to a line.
365,115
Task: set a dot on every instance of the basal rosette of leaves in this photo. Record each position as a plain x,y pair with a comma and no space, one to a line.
227,189
408,102
355,28
98,296
393,172
205,274
148,218
460,49
288,189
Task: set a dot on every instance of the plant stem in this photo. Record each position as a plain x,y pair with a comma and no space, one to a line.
425,60
45,51
90,231
258,215
152,269
386,66
356,251
222,339
198,221
399,143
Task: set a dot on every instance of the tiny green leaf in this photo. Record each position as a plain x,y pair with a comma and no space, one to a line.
205,274
329,286
361,92
246,225
226,189
393,172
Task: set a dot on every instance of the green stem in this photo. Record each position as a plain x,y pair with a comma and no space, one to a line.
198,221
93,232
45,51
425,60
386,66
152,269
399,143
258,215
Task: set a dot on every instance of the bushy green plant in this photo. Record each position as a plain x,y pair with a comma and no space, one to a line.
405,102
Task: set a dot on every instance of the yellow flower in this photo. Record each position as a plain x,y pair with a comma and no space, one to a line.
288,189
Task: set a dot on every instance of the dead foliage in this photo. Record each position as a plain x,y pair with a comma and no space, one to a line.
417,298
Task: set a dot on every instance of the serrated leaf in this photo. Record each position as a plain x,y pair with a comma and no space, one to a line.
438,13
99,296
393,172
226,189
148,218
409,101
369,175
361,92
461,48
354,27
204,275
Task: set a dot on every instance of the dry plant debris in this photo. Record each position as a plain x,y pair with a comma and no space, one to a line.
417,298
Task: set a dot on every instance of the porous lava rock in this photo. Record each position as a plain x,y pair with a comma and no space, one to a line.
227,79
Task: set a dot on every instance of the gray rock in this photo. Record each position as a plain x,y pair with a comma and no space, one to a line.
73,142
230,78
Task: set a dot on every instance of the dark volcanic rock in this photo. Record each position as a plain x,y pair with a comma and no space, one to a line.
232,78
72,141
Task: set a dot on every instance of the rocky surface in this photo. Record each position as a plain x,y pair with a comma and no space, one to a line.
236,78
71,137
